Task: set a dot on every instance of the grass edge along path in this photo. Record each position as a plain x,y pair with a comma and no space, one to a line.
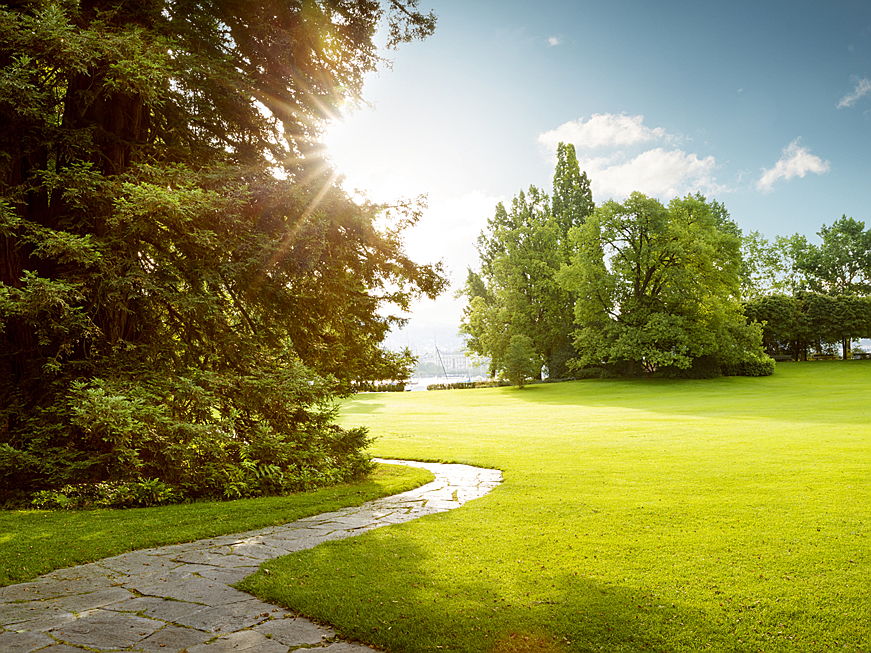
35,542
726,514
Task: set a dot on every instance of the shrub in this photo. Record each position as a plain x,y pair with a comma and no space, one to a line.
761,366
108,494
466,385
378,386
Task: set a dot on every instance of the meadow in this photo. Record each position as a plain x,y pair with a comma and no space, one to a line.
724,514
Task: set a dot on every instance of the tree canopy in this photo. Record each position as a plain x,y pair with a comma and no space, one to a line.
658,286
183,286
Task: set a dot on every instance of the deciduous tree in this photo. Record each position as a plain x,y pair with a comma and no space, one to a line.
659,287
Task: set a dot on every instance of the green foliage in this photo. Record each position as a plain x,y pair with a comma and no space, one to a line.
521,361
466,385
768,267
184,289
756,366
841,263
521,253
658,286
108,494
795,324
367,386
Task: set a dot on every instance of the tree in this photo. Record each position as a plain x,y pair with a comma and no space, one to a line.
521,252
768,267
658,287
183,289
572,199
841,263
516,292
521,361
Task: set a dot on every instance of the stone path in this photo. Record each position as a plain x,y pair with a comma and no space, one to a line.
178,597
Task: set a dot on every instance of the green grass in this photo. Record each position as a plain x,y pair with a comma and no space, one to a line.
34,542
728,514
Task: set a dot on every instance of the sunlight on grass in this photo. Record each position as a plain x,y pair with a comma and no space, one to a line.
676,515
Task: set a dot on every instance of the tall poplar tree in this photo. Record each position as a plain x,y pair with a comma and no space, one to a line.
572,199
183,288
521,251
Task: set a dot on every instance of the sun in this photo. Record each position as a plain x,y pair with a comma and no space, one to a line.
361,149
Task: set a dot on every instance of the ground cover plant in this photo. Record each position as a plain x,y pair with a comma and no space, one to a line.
35,542
727,514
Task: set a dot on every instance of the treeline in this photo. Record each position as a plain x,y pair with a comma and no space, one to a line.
567,289
811,297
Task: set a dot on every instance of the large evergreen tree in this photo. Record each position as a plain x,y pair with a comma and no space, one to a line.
183,288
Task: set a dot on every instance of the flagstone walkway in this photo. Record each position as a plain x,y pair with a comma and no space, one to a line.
178,597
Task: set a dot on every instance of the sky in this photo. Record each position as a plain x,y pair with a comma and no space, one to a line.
764,106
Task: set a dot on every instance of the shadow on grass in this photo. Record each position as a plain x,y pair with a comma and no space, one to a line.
799,394
383,589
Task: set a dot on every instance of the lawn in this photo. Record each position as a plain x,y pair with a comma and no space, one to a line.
34,542
667,515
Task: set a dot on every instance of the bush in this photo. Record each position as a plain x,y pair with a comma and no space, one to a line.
108,494
122,437
761,366
466,385
377,386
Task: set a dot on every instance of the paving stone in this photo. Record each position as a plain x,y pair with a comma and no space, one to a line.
44,589
91,600
23,642
259,551
93,572
62,648
227,576
173,638
138,563
33,615
194,589
227,618
245,640
209,557
293,631
105,629
157,608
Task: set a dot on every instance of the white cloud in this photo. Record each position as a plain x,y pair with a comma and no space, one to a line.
603,130
554,41
625,165
863,88
658,172
795,161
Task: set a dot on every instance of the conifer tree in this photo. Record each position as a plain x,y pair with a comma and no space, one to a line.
183,288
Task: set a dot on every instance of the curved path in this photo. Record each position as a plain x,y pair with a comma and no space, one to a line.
178,597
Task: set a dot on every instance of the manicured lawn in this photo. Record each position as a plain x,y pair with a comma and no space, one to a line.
728,514
34,542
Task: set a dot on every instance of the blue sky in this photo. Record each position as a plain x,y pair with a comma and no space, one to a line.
765,106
